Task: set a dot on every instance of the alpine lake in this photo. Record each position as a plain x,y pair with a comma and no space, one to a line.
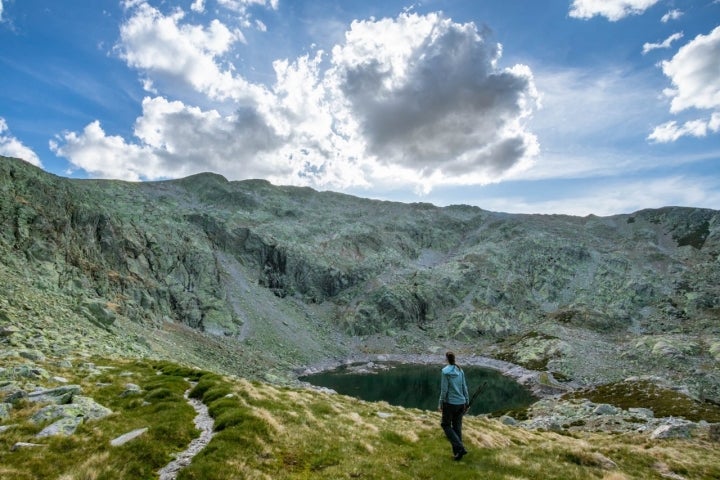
418,386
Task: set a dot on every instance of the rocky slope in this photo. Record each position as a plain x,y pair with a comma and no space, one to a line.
255,279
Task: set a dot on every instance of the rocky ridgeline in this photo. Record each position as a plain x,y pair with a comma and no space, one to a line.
299,274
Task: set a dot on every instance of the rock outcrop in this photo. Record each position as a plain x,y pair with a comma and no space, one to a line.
297,274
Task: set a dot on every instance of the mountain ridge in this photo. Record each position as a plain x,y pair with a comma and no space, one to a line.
290,276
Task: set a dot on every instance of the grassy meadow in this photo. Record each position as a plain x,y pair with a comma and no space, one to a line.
268,432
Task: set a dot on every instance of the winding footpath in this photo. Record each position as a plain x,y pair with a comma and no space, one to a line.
204,423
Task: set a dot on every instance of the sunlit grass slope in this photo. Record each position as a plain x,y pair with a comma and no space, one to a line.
273,433
267,432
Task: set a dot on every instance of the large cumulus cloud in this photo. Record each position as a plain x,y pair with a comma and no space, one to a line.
417,100
208,140
428,95
175,140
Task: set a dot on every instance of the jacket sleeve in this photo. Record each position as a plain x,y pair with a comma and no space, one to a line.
443,389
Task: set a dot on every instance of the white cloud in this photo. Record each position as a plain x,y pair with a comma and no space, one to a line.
175,140
1,10
613,10
198,6
671,15
695,74
416,100
714,123
107,156
292,143
426,95
241,6
190,138
162,46
128,4
647,47
148,85
12,147
671,131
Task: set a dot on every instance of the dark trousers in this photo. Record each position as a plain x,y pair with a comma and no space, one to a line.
451,424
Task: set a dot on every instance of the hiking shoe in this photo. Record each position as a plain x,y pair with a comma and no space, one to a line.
458,456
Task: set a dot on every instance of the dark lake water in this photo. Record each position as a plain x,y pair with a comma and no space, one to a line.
418,386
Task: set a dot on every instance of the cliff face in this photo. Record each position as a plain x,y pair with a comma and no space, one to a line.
291,269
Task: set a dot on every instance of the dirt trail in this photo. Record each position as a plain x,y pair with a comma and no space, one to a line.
204,423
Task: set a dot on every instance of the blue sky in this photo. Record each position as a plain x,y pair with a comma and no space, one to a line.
558,106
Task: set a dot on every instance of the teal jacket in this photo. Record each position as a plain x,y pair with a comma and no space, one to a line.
453,389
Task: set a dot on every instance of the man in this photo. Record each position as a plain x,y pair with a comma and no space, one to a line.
453,403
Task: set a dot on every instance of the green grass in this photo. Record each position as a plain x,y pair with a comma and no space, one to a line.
331,436
264,432
88,455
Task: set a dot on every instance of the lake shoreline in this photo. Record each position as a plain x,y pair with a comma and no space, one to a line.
541,384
